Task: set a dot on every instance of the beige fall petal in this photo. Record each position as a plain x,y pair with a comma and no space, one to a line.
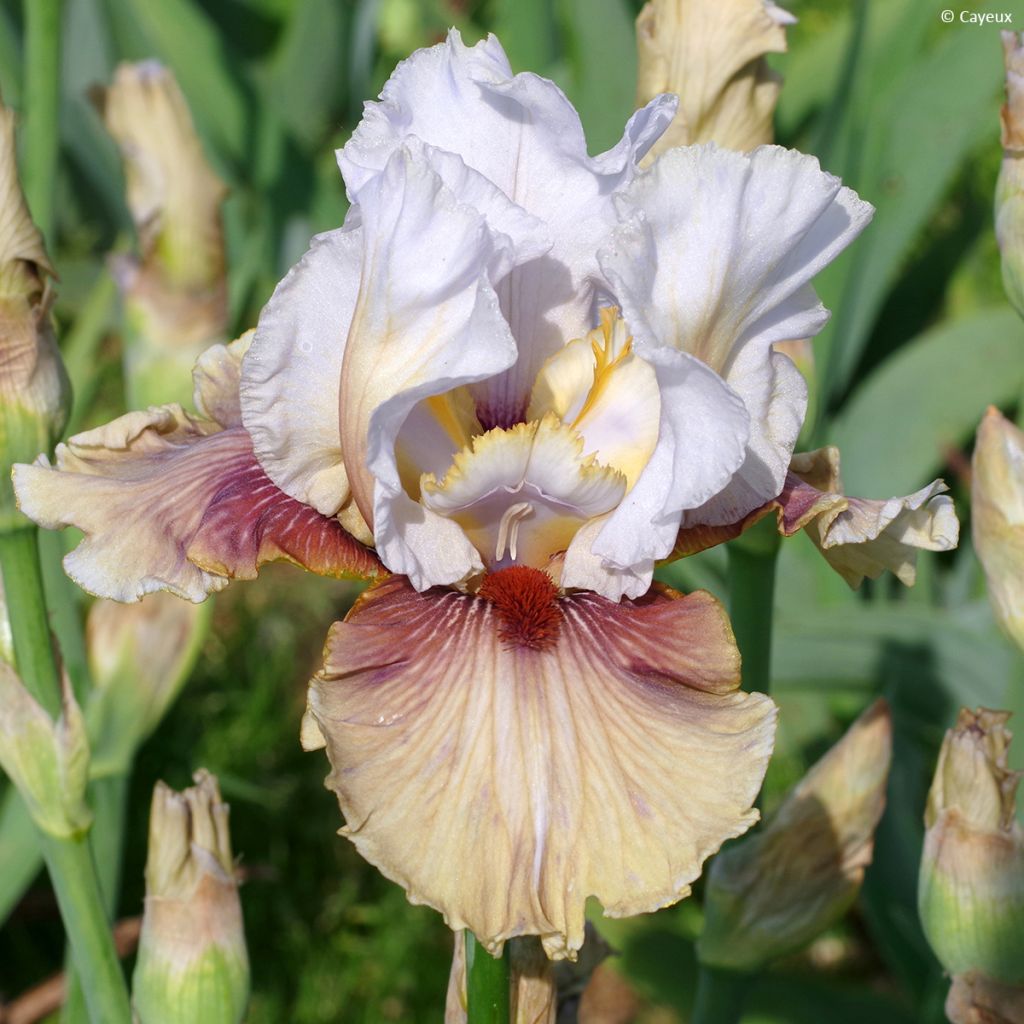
505,756
171,501
772,893
861,537
997,508
1009,199
711,54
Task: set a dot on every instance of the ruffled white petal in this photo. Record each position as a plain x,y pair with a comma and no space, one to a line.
713,258
426,321
521,494
701,444
291,377
523,135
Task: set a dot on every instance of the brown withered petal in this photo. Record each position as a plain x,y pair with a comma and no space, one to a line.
859,537
170,501
711,54
504,763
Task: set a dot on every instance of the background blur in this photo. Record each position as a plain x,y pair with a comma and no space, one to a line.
906,110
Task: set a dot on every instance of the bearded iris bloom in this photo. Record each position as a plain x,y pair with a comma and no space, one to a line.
513,381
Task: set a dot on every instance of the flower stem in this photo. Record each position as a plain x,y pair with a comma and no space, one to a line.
69,859
720,995
26,610
752,559
487,981
73,873
42,108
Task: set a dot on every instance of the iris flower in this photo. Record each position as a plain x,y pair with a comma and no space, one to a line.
512,382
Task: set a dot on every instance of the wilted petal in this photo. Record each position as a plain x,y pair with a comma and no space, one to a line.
795,876
997,510
505,757
861,537
711,54
714,258
422,328
291,377
523,135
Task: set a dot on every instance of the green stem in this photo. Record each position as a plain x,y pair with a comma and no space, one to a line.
20,859
42,107
109,797
26,611
487,985
720,995
74,878
752,558
68,860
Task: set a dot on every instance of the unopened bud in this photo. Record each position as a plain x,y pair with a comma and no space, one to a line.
47,761
192,966
971,888
175,291
774,892
997,506
1009,206
34,390
140,656
711,55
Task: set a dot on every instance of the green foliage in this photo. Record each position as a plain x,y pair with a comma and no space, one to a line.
905,109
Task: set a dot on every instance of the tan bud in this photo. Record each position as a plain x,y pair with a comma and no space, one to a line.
797,875
192,966
175,291
34,390
997,507
711,54
1009,203
971,887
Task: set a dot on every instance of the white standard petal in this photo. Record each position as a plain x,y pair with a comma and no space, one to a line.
427,321
291,375
523,135
701,443
714,257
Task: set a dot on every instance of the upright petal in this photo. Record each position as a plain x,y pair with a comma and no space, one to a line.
714,257
504,757
426,321
291,377
523,135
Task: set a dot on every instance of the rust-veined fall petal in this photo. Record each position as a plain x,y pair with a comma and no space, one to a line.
505,756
